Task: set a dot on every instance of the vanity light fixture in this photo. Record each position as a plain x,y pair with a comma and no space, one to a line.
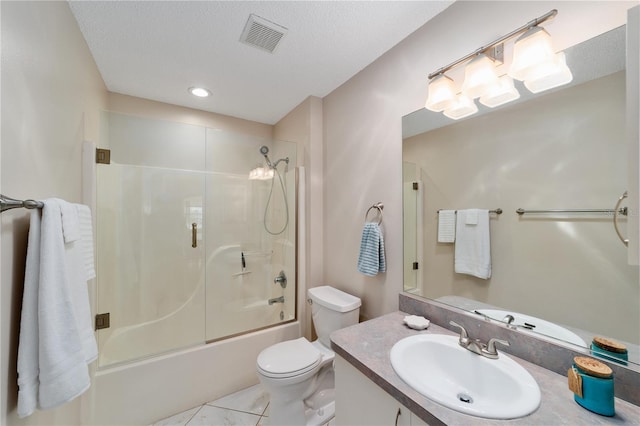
200,92
534,62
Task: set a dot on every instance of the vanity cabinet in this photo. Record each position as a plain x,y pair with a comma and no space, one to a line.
359,401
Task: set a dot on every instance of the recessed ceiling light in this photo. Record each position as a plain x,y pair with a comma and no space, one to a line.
200,92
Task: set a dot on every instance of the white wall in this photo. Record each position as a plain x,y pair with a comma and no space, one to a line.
362,126
51,95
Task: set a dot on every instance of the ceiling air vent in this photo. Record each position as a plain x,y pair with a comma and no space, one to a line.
262,34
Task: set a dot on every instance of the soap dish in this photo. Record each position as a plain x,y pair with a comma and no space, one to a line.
416,322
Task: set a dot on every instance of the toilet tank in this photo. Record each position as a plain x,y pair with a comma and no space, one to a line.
331,310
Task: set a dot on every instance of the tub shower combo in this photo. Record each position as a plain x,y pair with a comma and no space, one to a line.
196,236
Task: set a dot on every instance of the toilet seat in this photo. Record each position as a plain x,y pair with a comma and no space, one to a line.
289,359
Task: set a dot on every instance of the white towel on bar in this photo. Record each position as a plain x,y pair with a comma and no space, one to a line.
446,226
56,335
473,243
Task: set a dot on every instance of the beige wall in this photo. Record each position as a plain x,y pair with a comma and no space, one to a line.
51,95
362,126
151,109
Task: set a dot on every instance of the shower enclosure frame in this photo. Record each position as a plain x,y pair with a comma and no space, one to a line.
293,295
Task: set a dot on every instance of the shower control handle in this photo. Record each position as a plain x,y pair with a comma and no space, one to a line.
281,279
194,235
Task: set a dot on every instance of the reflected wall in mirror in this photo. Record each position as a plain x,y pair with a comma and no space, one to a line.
564,149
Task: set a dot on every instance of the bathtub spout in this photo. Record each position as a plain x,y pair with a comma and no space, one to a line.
276,300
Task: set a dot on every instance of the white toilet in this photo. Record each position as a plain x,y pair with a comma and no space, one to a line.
298,374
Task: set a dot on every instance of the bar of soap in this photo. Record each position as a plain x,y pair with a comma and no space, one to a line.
416,322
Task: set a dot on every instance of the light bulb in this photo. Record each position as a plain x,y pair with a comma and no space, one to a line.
531,50
479,76
442,92
500,93
462,107
552,74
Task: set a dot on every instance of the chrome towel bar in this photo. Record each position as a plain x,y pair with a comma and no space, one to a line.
8,203
496,211
622,211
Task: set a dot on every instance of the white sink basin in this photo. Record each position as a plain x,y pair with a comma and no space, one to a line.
440,369
542,327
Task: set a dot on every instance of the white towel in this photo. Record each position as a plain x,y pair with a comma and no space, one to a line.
70,222
473,244
372,257
446,226
56,336
28,341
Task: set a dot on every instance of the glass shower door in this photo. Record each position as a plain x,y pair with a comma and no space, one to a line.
150,260
412,194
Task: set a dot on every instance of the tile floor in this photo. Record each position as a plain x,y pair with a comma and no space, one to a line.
247,407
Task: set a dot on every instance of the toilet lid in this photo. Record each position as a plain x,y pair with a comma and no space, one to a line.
289,358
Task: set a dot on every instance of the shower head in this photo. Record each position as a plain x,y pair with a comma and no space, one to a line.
264,150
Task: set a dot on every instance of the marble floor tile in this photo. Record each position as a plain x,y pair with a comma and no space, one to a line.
214,416
247,407
180,419
252,400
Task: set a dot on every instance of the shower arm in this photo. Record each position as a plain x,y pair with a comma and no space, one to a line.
286,160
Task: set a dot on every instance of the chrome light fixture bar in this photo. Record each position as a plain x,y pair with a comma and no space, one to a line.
534,62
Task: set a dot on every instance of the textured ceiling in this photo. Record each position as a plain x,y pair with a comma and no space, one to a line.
156,50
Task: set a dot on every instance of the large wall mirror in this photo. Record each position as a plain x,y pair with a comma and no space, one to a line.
566,274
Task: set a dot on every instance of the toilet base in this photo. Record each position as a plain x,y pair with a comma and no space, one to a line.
321,415
313,416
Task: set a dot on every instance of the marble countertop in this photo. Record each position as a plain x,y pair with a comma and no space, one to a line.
367,346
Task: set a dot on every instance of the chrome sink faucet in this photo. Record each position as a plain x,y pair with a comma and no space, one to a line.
476,346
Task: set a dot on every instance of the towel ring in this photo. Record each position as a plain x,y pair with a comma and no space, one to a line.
378,206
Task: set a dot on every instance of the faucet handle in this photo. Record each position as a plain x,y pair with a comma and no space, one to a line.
464,337
491,350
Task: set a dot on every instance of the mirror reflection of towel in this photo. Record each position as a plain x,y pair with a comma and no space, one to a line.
447,226
372,259
473,243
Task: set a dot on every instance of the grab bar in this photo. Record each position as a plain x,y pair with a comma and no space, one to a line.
8,203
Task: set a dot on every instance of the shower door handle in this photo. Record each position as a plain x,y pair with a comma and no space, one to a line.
194,235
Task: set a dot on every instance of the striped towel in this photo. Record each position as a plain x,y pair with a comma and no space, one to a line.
371,259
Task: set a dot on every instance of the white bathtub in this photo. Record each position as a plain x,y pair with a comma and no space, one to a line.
144,392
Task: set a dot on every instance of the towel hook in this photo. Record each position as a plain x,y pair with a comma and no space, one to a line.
378,206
